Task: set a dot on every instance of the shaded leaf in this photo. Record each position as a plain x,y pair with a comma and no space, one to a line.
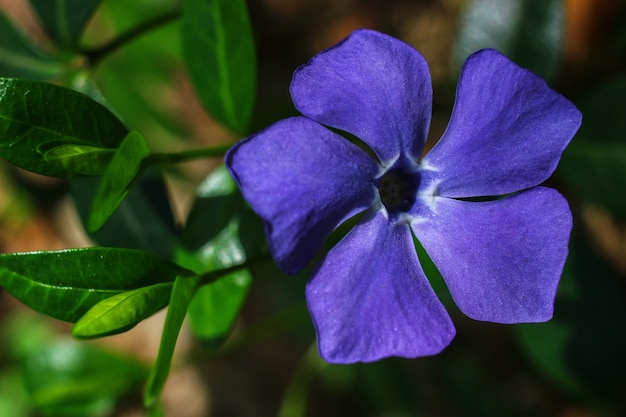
19,57
64,20
216,236
595,172
594,165
219,51
182,294
603,108
66,284
582,348
528,32
13,397
37,118
122,172
68,378
144,220
122,312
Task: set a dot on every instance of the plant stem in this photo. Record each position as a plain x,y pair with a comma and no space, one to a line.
184,156
211,277
97,54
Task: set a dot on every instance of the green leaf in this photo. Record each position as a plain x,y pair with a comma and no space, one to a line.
123,80
37,118
528,32
126,165
144,220
14,400
19,57
219,51
122,312
594,165
182,294
68,378
80,159
596,172
64,20
582,348
216,306
603,108
220,232
66,284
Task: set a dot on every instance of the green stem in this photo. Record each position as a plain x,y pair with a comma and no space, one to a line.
211,277
97,54
176,158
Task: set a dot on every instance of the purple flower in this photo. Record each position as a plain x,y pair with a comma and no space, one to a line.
501,254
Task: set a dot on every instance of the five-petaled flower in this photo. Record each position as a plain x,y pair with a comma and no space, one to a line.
473,201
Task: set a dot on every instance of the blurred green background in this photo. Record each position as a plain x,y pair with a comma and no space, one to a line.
573,366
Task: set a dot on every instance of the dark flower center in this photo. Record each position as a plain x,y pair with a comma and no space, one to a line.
398,190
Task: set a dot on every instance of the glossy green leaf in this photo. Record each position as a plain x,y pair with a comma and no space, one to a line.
529,32
182,294
144,220
122,312
64,20
52,130
216,307
80,159
220,232
595,172
76,379
126,165
219,51
20,57
66,284
582,347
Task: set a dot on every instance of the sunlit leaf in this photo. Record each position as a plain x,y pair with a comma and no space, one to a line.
68,378
80,159
123,311
64,20
219,50
50,129
122,172
216,307
19,57
528,32
66,284
182,294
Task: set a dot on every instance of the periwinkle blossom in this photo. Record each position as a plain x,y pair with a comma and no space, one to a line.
474,201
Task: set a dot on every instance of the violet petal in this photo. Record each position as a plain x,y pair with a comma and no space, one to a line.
506,133
370,299
501,259
303,180
370,85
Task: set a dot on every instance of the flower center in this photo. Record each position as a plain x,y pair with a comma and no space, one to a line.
398,190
